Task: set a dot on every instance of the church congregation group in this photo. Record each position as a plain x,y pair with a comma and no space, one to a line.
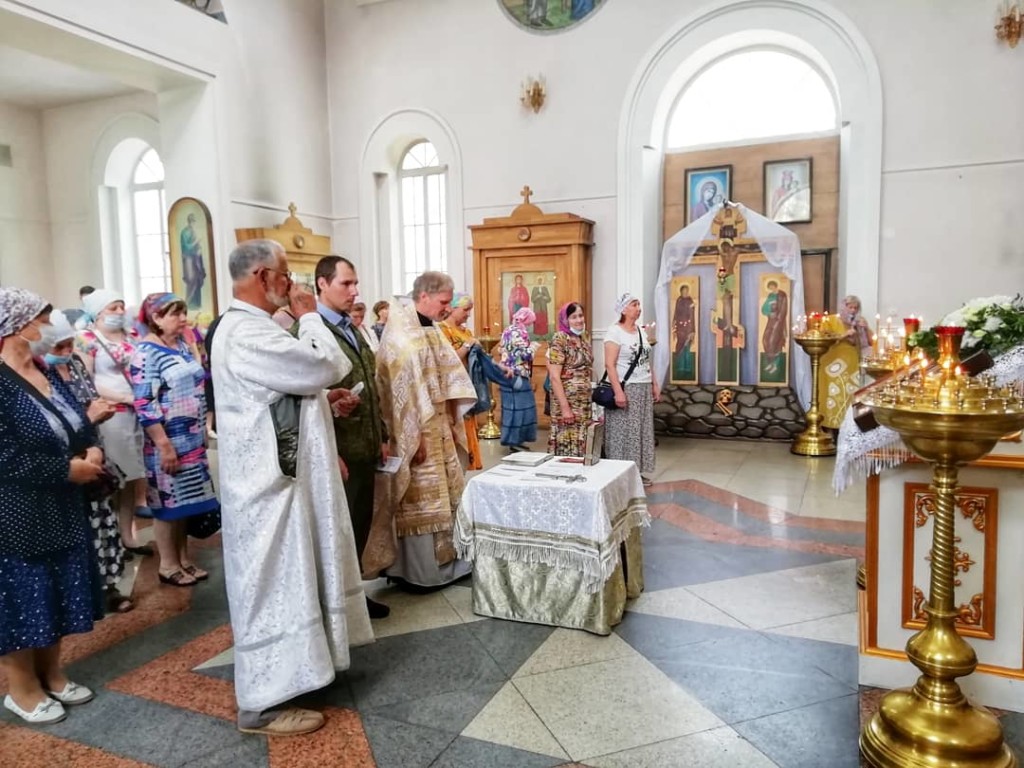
107,423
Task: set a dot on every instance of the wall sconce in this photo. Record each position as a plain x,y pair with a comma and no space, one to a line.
533,93
1009,26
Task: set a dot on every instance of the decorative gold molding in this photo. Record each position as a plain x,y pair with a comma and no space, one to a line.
979,505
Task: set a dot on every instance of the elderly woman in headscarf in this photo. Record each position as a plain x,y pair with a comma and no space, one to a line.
629,428
170,401
518,408
462,340
106,346
840,366
48,579
106,540
570,369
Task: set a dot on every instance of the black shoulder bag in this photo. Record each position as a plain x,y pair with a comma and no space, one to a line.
603,393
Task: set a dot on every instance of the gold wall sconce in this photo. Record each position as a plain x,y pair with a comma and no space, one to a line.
533,93
1009,26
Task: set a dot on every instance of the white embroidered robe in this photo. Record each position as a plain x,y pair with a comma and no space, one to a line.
290,564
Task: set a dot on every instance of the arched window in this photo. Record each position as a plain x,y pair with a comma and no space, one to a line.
149,221
752,95
424,240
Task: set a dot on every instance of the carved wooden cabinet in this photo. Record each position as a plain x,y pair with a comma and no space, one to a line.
536,259
304,247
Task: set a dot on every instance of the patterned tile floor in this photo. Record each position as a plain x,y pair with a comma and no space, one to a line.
742,652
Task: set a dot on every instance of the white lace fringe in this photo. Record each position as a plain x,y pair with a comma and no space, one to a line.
861,454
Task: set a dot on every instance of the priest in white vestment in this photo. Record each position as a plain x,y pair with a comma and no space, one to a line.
293,580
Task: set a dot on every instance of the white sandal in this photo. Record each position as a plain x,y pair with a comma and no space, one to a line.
46,712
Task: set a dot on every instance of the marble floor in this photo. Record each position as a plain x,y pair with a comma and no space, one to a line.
741,652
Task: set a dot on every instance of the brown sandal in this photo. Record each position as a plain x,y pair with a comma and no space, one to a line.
178,579
195,572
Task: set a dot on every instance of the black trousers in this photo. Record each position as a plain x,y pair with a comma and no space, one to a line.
359,492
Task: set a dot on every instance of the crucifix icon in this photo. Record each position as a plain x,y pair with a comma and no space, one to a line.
525,193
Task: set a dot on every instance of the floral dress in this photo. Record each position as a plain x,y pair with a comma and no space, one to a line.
106,538
518,408
169,391
576,357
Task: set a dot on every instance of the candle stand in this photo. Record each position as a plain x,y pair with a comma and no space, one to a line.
814,441
948,420
490,430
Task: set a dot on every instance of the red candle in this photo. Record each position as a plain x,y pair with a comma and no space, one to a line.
911,324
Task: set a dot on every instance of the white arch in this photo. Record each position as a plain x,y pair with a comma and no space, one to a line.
384,148
811,29
130,132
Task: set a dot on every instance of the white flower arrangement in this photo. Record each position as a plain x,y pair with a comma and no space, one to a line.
995,323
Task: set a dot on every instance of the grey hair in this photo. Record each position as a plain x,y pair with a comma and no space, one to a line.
432,282
852,299
251,254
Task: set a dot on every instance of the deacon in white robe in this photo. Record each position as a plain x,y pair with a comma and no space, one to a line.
290,564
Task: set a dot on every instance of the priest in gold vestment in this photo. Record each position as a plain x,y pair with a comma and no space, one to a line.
424,394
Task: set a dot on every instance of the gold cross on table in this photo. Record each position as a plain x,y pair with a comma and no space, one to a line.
525,193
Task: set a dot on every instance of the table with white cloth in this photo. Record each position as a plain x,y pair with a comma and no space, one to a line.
550,550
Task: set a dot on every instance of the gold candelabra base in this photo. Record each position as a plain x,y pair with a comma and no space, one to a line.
933,724
814,441
490,430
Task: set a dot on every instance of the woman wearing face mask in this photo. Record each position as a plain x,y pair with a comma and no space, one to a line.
629,430
47,572
106,541
171,405
106,347
570,369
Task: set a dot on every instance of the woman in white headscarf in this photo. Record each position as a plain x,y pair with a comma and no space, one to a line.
106,539
629,428
106,347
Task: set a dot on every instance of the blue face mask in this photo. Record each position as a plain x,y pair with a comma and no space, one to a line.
52,359
578,331
115,322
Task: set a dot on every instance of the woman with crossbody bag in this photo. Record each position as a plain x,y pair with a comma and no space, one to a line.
106,347
629,428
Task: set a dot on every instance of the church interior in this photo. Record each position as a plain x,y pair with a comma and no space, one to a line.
746,156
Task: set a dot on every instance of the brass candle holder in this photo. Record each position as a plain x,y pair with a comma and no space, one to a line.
814,441
490,430
948,420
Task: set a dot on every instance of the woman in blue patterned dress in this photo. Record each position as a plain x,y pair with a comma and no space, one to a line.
48,576
518,408
171,407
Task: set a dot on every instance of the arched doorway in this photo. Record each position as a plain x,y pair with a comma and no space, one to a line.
808,29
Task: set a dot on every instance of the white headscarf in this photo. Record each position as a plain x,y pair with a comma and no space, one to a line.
62,330
624,301
99,300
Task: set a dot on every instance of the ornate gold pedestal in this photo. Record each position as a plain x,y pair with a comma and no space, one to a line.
490,430
933,724
814,441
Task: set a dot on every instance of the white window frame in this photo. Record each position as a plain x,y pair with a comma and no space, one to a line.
165,248
401,283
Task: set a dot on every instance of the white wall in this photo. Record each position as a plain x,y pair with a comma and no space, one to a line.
24,209
949,99
72,136
242,110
